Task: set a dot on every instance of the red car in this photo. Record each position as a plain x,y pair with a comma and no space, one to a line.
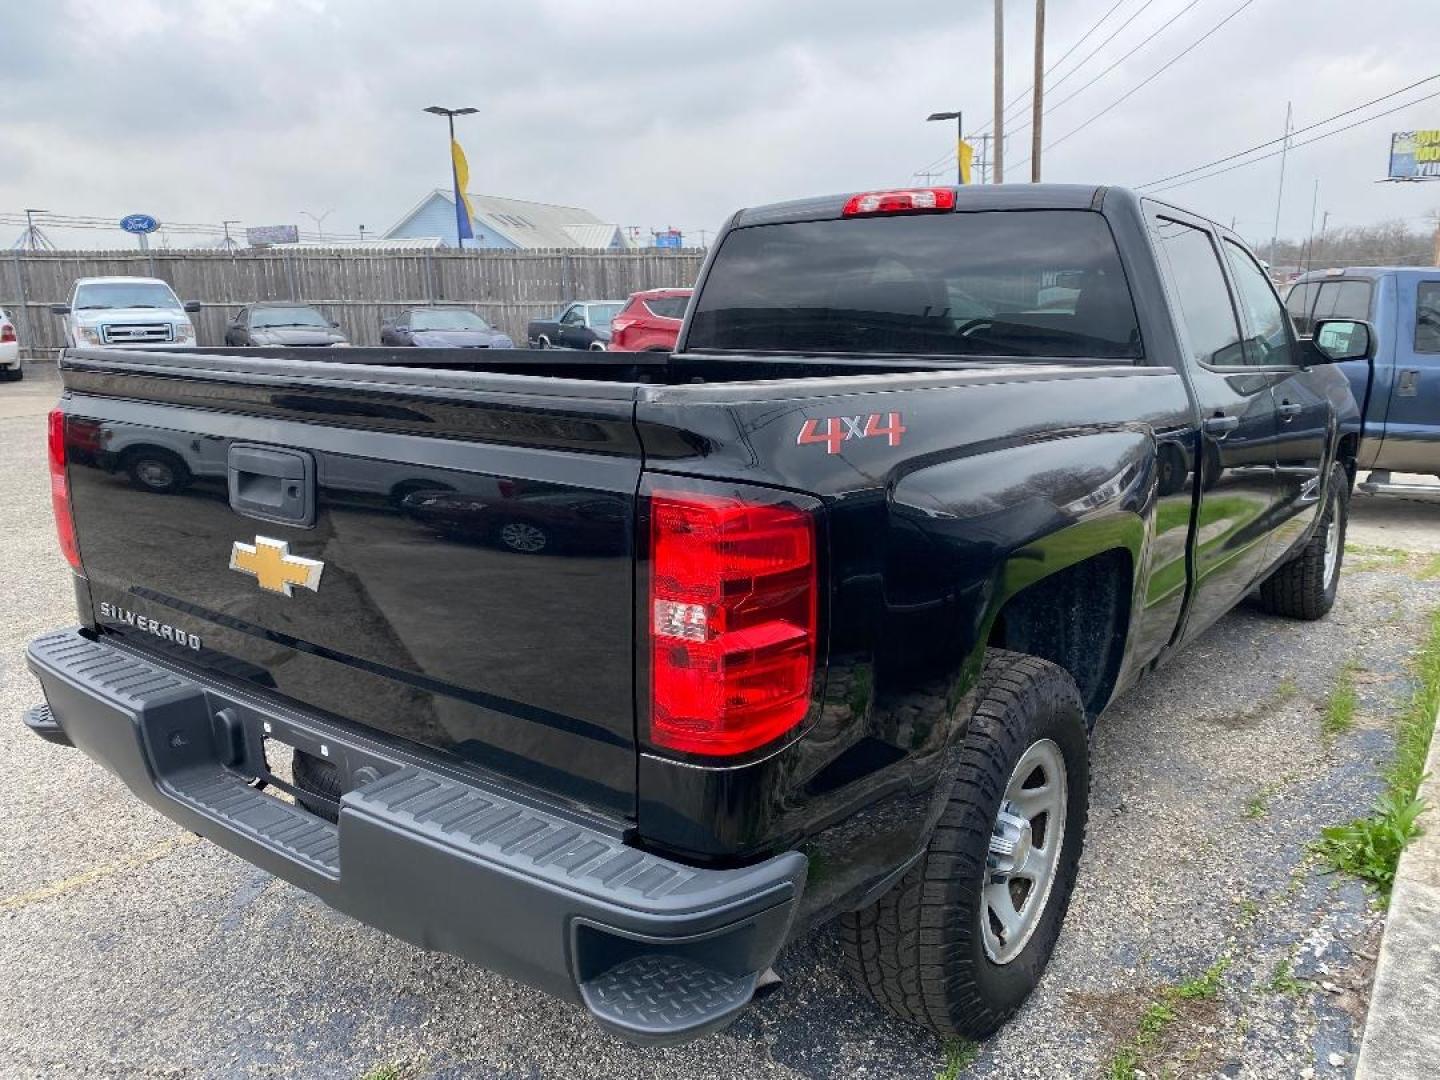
649,321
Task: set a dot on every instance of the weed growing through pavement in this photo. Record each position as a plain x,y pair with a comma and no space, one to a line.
1339,716
1283,981
960,1054
1370,847
1158,1018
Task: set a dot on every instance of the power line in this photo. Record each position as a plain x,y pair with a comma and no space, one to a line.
1049,70
1116,33
1295,145
1297,131
1165,26
1153,75
990,124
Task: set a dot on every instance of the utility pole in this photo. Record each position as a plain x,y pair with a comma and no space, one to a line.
1310,239
926,176
1038,108
362,234
229,244
999,125
982,162
1280,191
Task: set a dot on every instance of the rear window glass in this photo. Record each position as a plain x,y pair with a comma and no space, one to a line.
668,307
1008,283
1337,299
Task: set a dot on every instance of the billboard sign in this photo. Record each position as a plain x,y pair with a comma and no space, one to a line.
670,238
1415,155
272,234
139,223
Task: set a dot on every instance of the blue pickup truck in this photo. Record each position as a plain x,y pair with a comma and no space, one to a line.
1399,390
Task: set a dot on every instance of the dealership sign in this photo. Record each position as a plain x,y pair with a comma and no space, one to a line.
139,223
1415,155
272,234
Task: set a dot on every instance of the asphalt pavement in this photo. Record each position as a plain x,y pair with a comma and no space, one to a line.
131,949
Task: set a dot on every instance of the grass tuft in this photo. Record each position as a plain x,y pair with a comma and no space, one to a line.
387,1071
1339,716
1159,1015
1284,980
960,1054
1369,848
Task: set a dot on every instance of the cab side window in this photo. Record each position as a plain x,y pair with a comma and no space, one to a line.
1269,343
1201,293
1427,317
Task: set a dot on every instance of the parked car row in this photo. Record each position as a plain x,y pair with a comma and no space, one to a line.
648,321
141,312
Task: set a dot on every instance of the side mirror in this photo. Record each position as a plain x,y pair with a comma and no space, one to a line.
334,325
1336,340
60,309
192,306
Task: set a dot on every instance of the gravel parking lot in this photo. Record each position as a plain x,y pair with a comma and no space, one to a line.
131,949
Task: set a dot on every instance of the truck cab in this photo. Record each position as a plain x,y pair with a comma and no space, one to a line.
127,312
1399,389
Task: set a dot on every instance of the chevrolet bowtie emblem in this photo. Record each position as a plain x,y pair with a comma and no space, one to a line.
270,563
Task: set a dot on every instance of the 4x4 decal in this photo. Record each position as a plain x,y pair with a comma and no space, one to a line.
841,429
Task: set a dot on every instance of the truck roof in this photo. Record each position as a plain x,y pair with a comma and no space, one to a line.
128,278
1367,272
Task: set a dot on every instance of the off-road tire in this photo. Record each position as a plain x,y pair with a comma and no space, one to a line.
919,949
1298,589
319,777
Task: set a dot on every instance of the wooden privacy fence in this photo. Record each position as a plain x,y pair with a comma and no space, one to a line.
356,288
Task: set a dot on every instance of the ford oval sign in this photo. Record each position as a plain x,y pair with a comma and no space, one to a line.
139,223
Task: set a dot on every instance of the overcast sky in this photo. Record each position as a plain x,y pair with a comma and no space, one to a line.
655,114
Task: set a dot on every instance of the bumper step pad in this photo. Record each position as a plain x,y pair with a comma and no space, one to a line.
656,994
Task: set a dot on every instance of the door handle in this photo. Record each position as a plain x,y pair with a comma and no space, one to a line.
1220,424
272,485
1288,411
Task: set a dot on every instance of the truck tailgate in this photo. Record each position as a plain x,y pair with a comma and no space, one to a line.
474,588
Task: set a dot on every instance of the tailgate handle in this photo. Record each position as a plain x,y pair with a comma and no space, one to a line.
272,485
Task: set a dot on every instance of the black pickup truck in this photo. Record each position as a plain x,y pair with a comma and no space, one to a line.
827,603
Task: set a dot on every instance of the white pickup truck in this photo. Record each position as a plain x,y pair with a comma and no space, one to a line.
136,312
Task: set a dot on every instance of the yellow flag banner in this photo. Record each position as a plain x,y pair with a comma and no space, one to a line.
464,212
964,154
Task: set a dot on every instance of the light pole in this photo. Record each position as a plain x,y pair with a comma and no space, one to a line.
450,114
319,220
959,138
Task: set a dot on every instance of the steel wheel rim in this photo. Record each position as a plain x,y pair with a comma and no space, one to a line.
1020,873
155,474
1332,549
522,537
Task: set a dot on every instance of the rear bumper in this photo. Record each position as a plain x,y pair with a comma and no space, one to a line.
656,950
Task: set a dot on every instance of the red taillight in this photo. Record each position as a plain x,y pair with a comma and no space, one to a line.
7,333
732,622
60,490
905,201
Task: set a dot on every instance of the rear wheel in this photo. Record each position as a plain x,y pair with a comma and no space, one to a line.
1305,587
962,939
316,776
157,471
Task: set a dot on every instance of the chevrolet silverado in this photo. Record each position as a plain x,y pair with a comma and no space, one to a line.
665,659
